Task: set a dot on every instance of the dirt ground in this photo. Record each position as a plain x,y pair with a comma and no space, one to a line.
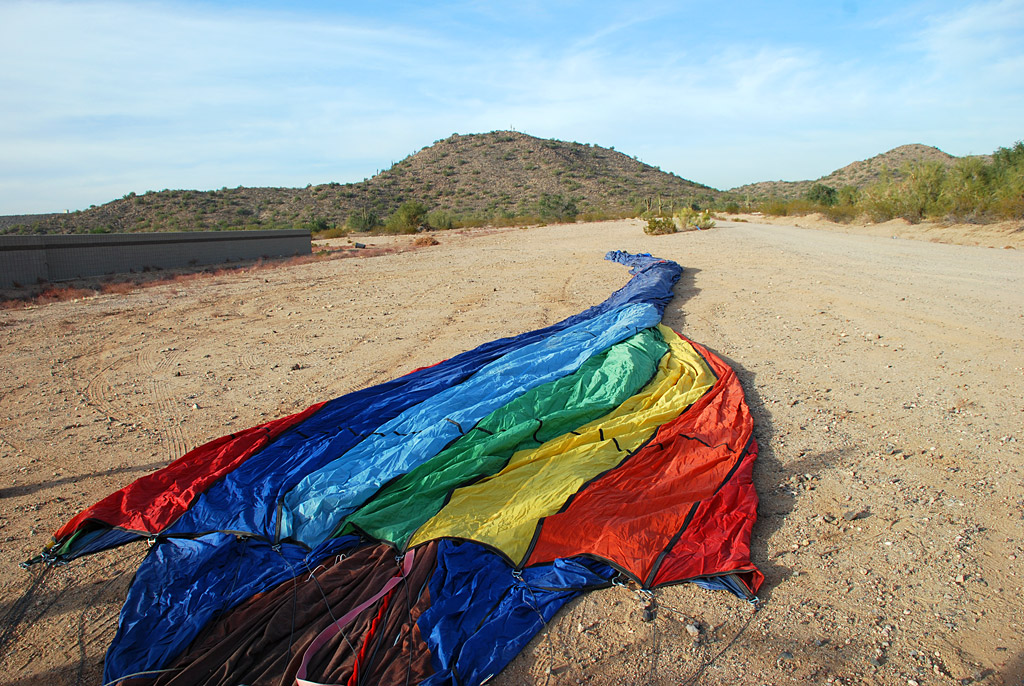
886,379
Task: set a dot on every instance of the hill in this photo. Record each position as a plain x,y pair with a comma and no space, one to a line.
475,178
858,174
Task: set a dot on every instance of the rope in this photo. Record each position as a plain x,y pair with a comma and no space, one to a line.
338,626
692,679
146,673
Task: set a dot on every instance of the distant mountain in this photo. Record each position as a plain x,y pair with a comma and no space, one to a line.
859,174
493,175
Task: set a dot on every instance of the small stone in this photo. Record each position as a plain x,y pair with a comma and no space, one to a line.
852,515
693,630
785,655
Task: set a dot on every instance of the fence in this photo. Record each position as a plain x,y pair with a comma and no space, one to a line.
28,260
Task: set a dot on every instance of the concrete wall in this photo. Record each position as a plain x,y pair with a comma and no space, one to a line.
26,260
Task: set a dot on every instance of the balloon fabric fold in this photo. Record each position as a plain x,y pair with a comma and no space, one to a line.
425,529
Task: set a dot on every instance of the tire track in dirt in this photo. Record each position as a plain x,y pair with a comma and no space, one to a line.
100,394
155,364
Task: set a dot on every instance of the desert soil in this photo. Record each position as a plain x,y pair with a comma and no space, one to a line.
886,378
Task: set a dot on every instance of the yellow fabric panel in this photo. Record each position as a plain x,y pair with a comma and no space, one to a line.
503,510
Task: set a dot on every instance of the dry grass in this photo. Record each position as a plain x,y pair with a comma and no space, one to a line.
425,241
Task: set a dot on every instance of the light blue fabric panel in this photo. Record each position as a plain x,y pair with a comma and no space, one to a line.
313,508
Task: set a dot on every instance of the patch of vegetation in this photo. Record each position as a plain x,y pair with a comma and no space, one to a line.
690,219
407,218
820,194
660,226
362,220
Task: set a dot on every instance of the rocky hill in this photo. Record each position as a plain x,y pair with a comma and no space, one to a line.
481,177
858,174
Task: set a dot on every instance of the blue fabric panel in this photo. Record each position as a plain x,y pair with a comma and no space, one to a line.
314,507
722,583
183,584
481,616
246,499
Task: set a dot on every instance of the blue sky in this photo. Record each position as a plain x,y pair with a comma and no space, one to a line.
98,99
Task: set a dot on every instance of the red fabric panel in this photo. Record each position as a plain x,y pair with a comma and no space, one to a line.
630,515
153,502
718,537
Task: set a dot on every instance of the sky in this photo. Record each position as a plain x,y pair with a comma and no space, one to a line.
99,99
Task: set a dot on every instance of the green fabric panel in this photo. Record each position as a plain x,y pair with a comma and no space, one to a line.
546,412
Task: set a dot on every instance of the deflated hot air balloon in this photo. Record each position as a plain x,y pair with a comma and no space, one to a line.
424,530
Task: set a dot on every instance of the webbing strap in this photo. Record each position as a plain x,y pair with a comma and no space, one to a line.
335,628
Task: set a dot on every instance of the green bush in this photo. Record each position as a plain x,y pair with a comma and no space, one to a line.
775,208
362,220
689,219
441,219
317,225
407,218
554,207
842,214
820,194
333,232
848,195
659,226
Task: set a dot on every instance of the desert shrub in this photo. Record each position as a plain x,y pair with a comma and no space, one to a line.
554,207
407,218
775,208
1007,176
820,194
848,195
688,219
659,226
333,232
425,241
317,225
880,201
843,214
362,220
441,219
967,192
731,208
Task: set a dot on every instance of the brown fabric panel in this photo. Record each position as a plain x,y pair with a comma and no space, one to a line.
255,642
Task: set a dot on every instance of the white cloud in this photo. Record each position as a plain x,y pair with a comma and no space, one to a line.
108,97
977,40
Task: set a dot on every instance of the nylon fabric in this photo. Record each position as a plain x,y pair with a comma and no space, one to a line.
630,516
481,616
263,640
503,510
717,539
152,502
545,412
314,507
183,584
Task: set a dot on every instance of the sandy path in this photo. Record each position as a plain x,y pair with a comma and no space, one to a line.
886,378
